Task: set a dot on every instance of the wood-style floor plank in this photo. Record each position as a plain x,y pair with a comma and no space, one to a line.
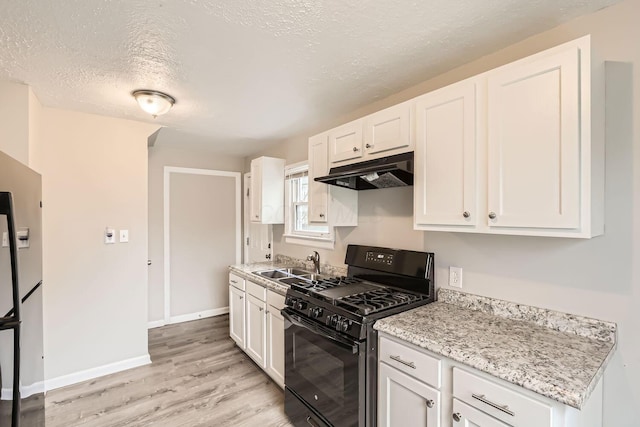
198,378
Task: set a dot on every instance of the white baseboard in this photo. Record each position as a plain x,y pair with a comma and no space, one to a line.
198,315
188,317
100,371
25,391
156,324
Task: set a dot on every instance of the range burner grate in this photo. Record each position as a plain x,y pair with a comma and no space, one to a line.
315,286
377,300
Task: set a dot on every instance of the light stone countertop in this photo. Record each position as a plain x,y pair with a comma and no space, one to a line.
559,358
281,261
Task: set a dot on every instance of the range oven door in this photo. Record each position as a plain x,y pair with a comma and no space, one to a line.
326,370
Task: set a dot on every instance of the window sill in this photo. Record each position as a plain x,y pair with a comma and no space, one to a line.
316,242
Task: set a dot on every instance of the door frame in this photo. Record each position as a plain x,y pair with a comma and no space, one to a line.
168,170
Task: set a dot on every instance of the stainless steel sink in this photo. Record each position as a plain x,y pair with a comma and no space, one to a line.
272,274
293,280
312,276
294,271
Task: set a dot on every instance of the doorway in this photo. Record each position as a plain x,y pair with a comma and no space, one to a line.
202,237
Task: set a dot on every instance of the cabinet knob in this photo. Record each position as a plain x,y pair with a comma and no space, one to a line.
466,214
260,308
256,216
321,215
430,403
457,417
369,146
355,149
241,297
492,215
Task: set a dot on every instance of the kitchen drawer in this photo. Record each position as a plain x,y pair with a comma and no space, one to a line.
503,403
257,291
422,366
275,299
236,281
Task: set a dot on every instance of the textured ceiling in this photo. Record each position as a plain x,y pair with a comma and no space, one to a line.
250,72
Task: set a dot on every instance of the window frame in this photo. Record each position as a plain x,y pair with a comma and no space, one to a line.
305,238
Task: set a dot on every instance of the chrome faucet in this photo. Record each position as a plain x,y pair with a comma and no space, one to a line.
315,257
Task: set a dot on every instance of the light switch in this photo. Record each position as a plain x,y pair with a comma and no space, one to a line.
109,236
5,239
124,236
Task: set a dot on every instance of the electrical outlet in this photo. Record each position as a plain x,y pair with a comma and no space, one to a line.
109,236
455,277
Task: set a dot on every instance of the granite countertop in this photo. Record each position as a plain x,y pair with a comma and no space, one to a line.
281,261
557,355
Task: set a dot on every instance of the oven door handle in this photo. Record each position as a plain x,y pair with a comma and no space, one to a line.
323,332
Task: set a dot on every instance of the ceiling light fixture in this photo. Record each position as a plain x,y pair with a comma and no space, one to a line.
153,102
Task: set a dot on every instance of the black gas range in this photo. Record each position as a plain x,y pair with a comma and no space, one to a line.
330,343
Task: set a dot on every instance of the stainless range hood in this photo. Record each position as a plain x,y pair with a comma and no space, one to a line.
390,171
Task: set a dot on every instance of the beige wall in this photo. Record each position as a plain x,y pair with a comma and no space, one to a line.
95,295
598,277
159,157
14,120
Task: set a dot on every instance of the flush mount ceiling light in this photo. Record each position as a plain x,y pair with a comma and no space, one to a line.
153,102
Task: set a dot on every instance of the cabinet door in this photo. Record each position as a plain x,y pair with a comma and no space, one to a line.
255,191
405,401
388,131
534,143
236,316
345,143
275,334
256,330
445,156
318,166
467,416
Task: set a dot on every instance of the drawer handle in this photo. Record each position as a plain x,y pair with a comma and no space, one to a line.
399,360
503,408
233,281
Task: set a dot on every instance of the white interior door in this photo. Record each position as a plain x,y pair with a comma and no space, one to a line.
257,237
202,238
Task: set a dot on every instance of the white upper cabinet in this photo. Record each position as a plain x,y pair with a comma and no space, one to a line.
267,190
445,157
318,166
380,134
517,150
388,131
328,204
345,143
534,142
545,144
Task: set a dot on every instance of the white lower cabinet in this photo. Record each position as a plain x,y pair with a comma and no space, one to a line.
237,310
405,401
275,337
257,330
419,388
256,325
467,416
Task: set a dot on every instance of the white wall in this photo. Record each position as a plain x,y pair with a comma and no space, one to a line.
598,277
95,295
159,157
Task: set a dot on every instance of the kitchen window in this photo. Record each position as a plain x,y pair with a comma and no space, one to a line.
298,230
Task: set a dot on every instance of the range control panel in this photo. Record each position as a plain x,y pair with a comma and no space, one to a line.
379,258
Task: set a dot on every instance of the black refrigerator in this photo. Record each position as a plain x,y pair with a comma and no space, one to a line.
21,319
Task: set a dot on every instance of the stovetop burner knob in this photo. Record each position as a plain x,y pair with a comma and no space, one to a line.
300,305
316,312
345,325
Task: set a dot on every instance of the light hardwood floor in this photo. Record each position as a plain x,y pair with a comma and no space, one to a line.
198,377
